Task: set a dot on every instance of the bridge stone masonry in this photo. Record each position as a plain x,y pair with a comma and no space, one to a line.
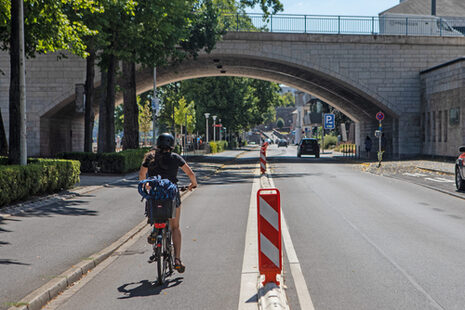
358,74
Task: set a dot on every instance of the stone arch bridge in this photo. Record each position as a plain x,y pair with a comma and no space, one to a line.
358,74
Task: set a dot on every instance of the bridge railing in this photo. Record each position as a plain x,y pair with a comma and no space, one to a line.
328,24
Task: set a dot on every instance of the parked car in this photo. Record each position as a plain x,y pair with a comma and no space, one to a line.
308,147
460,170
282,142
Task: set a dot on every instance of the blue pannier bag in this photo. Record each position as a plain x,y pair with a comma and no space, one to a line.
161,198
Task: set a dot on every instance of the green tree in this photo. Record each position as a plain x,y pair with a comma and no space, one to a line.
280,123
145,117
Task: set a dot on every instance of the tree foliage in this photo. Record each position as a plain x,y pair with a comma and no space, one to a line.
240,103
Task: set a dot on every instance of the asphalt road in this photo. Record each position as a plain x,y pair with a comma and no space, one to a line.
363,242
370,242
45,240
213,224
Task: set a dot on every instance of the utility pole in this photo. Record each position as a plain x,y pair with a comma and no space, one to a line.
18,151
206,126
214,128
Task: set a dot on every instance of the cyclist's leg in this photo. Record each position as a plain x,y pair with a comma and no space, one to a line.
176,233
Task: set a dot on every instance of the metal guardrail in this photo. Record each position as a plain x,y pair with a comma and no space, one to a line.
327,24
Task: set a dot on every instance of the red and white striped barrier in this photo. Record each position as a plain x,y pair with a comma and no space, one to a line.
269,234
263,160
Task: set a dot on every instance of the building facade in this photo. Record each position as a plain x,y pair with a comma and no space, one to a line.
443,108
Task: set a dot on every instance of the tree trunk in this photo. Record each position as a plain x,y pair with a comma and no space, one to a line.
102,113
89,90
15,86
130,108
109,145
3,142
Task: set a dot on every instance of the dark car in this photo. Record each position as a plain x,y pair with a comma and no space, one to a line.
460,170
308,147
282,142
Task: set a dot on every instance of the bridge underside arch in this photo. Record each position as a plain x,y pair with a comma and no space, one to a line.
347,97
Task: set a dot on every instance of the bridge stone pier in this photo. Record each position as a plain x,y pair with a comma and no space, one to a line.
358,74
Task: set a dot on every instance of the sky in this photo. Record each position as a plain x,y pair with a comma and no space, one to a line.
335,7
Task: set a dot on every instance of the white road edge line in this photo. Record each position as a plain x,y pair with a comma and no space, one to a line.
303,295
250,274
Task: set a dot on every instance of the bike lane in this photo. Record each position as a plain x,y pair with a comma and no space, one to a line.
213,222
44,239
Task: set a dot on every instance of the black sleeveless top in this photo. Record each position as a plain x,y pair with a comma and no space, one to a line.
164,164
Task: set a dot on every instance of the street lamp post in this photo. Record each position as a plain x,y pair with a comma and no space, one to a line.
214,127
206,127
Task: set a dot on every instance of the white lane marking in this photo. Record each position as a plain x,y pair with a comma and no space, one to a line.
269,214
269,249
415,174
440,180
249,276
303,295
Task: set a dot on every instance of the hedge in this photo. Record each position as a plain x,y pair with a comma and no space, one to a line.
218,146
40,176
116,162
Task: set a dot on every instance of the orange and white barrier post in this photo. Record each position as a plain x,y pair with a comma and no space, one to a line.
269,234
263,160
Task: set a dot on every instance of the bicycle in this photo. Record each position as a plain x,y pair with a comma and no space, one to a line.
163,250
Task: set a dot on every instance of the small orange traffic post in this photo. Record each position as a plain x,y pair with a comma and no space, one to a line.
269,234
263,160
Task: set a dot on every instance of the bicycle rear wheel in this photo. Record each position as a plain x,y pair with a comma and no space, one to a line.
162,259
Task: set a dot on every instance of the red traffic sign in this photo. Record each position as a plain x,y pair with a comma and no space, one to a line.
380,116
217,125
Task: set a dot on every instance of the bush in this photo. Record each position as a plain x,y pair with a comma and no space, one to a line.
218,146
40,176
330,141
116,162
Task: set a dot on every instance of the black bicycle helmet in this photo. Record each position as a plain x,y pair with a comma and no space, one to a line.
165,140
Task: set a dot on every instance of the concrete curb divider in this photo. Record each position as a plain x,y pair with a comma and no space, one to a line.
435,170
272,296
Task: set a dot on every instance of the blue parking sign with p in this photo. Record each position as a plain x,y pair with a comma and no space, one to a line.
329,121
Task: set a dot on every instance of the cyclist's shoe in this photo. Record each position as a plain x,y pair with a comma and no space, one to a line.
152,258
178,265
152,238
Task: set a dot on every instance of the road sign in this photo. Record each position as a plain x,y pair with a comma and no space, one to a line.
217,125
380,116
329,121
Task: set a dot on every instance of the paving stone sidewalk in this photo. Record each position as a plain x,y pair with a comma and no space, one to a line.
390,167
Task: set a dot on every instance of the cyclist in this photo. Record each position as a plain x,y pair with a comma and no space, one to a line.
162,161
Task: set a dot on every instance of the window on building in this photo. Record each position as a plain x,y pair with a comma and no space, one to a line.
454,116
440,126
446,126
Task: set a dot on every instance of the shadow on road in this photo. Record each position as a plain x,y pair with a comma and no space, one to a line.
11,262
146,288
58,208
